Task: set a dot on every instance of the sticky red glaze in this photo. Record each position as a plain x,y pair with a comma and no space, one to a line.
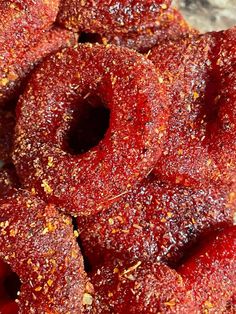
201,144
171,25
7,306
128,85
7,124
138,288
155,221
110,16
16,66
50,269
9,180
211,273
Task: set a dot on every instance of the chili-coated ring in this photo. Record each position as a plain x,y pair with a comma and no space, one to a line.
155,221
54,106
39,245
200,147
110,16
138,287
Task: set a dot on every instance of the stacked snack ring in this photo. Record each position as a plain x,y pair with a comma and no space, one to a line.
171,25
204,283
27,59
21,22
139,288
140,148
109,16
210,273
155,221
201,142
115,78
50,269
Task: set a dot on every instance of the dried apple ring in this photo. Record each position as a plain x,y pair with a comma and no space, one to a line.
113,79
39,245
155,221
201,144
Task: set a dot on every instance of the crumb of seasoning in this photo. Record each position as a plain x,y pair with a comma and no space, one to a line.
132,268
87,299
208,305
46,187
50,162
111,221
50,282
76,233
170,303
4,81
195,95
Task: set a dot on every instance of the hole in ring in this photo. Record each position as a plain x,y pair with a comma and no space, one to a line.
89,125
10,285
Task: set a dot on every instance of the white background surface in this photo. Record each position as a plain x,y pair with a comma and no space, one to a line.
208,15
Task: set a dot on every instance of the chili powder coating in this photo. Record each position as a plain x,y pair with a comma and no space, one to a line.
110,16
127,84
156,221
39,245
210,274
201,145
15,67
138,288
9,180
21,21
171,24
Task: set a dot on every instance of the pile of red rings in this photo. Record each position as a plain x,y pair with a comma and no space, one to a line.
118,152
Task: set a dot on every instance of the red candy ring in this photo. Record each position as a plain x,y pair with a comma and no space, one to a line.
21,23
39,245
155,221
171,25
27,58
138,288
128,85
210,273
109,16
201,144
